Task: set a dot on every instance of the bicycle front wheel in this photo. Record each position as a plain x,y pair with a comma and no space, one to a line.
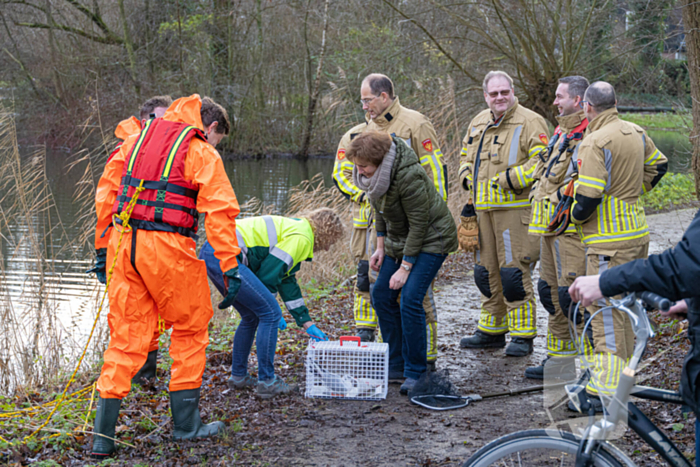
537,448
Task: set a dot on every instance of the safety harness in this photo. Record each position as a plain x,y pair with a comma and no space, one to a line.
562,214
168,203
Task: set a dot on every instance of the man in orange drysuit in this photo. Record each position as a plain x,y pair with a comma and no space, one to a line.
157,270
154,107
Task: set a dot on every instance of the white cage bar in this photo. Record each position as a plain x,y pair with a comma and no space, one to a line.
347,369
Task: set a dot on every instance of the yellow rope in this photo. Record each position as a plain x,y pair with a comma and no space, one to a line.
87,414
124,217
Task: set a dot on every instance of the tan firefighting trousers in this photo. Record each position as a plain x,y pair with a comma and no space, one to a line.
562,260
613,337
503,273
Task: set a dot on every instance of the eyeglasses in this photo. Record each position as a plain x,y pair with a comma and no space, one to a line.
586,102
495,94
367,101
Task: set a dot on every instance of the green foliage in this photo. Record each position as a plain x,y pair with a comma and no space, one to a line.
660,121
674,190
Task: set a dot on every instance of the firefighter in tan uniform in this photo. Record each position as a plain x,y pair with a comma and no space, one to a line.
497,166
618,162
562,258
385,113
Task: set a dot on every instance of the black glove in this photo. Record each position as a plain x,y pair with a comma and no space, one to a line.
233,281
100,266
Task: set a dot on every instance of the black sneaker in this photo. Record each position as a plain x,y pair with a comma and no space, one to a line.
365,334
560,368
520,347
481,340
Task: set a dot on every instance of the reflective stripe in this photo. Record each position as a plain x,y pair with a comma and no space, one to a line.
608,164
242,246
293,304
515,145
508,246
556,251
592,182
282,256
653,158
173,151
271,231
602,267
609,326
137,146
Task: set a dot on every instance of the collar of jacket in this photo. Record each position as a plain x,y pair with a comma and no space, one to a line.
604,118
567,123
391,112
508,113
128,127
186,110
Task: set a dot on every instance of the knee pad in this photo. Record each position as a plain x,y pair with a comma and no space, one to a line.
565,300
481,277
545,293
513,287
363,276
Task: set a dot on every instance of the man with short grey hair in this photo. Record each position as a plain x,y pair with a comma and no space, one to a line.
617,163
562,257
497,165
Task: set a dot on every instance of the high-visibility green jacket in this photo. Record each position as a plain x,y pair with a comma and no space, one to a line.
618,162
507,150
273,247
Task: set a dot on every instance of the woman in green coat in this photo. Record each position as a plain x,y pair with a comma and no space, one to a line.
415,233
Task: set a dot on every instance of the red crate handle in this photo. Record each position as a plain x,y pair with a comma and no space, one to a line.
351,339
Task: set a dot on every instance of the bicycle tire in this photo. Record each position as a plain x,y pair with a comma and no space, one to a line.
537,448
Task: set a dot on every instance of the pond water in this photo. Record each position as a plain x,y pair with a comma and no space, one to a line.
60,282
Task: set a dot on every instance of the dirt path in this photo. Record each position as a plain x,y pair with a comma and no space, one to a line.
292,430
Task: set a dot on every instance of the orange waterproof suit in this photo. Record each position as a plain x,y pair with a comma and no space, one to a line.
157,272
125,128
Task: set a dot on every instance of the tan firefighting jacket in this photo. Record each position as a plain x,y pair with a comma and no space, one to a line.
409,125
554,171
618,162
508,150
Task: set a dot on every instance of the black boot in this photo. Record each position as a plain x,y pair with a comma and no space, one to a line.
148,370
481,340
105,424
366,334
520,347
559,368
184,406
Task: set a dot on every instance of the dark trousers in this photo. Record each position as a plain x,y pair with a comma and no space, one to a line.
403,325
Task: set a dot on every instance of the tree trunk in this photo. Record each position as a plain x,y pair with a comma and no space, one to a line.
691,25
313,98
129,49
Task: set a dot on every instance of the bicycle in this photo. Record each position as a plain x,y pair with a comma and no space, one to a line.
557,447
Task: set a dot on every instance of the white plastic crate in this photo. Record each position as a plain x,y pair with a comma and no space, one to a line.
347,369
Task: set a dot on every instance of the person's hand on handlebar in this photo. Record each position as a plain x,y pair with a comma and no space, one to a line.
678,311
586,289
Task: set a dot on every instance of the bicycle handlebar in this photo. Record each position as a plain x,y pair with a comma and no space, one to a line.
657,302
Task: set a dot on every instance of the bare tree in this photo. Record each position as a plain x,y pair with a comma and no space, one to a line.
315,90
691,25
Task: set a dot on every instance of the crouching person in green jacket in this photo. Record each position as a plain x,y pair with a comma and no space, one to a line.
272,250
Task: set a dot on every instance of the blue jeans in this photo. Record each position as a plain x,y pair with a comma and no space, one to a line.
403,326
259,312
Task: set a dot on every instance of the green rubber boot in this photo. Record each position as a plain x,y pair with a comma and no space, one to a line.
184,406
148,370
105,424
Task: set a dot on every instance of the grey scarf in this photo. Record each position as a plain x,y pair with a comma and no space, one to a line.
378,184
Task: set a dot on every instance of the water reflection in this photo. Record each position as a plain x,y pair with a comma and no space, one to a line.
269,179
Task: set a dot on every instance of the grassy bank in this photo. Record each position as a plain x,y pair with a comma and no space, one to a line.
661,121
674,191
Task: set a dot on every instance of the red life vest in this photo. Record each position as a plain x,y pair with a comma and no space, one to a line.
168,203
